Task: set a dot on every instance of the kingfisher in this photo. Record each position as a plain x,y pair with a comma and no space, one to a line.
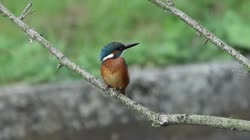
114,69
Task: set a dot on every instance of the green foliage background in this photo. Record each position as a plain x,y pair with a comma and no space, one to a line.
80,28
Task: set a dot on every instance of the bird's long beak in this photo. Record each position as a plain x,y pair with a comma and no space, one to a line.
130,45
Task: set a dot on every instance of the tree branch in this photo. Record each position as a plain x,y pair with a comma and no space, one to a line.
205,120
26,11
156,118
169,6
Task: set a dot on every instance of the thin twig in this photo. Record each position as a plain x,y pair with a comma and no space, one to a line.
169,6
26,11
156,118
59,65
205,43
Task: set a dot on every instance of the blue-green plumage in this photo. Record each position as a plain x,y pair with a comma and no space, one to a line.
111,47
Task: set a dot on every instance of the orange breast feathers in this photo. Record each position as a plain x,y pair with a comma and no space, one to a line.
115,73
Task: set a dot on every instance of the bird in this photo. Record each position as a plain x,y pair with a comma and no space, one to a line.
114,69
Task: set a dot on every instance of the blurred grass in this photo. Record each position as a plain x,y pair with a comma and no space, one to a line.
81,28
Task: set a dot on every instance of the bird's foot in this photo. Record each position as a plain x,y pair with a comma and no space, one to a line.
113,90
118,91
106,87
121,90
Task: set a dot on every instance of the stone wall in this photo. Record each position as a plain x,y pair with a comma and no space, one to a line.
74,110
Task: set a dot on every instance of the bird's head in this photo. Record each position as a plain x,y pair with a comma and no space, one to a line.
114,50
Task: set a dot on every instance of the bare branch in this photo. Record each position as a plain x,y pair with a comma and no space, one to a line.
26,11
204,120
59,65
169,6
156,118
205,43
